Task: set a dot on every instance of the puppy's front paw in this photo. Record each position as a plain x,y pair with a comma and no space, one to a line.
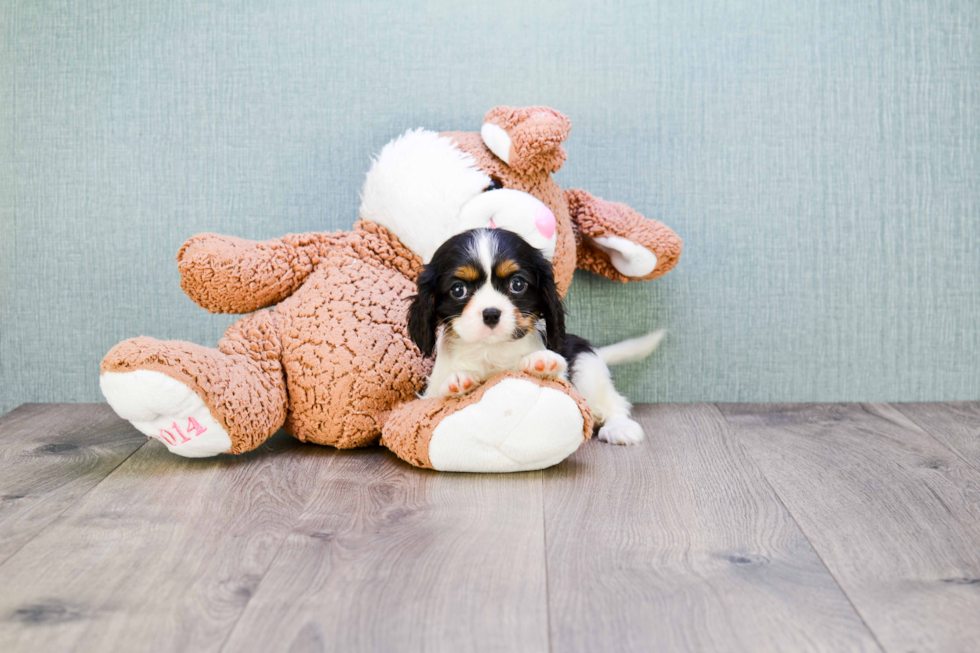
621,430
544,364
458,384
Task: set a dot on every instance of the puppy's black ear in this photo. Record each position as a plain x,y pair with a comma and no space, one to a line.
552,309
422,313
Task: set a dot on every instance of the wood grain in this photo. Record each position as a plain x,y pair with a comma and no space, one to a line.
162,555
392,558
50,456
955,424
773,527
893,513
679,544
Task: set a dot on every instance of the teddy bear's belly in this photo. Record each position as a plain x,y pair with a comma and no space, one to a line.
347,355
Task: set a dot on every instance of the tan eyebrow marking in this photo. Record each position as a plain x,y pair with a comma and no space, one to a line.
507,268
467,273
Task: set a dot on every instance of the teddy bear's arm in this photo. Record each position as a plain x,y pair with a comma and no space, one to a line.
618,243
224,274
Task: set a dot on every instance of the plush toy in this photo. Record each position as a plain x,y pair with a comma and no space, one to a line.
331,361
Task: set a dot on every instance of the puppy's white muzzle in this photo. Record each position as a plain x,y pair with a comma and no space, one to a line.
471,326
515,211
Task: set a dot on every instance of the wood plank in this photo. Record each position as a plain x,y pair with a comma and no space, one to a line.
392,558
893,513
679,544
955,424
50,456
162,555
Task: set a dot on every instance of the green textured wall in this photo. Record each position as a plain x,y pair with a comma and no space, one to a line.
821,160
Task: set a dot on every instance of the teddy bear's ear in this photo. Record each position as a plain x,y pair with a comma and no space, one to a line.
527,139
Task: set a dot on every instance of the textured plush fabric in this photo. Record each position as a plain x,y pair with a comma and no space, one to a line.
597,218
536,135
409,429
328,363
573,218
818,158
241,381
251,276
540,184
333,358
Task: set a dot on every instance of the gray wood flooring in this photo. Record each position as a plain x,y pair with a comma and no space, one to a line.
815,527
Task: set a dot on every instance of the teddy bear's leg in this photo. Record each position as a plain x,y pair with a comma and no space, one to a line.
511,423
199,401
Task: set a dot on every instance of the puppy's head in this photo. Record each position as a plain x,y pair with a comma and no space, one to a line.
486,286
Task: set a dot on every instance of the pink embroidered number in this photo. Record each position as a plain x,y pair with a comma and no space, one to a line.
193,428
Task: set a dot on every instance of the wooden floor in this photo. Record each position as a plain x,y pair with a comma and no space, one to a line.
732,528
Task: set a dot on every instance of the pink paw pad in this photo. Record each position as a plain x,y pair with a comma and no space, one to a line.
544,220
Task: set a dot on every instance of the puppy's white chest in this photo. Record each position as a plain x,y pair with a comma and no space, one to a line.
480,360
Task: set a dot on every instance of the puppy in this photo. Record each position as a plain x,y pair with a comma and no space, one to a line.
487,302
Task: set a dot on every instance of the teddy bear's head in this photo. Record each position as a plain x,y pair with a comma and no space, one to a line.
425,187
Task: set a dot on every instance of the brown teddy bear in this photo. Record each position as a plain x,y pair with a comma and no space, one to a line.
331,361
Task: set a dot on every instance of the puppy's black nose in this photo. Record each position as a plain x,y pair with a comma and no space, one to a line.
491,316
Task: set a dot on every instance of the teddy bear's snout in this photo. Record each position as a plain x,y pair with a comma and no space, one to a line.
515,211
544,220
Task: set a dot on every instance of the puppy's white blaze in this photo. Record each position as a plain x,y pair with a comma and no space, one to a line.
469,326
484,249
417,186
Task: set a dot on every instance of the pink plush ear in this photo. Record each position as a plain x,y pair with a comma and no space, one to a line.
617,242
527,139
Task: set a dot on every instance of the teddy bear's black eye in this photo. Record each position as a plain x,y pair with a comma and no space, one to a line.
495,184
458,291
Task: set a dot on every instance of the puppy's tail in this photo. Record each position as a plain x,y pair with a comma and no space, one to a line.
631,350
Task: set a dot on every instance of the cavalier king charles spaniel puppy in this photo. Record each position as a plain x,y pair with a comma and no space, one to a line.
487,303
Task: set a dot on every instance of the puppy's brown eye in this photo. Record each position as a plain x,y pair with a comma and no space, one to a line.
518,285
458,291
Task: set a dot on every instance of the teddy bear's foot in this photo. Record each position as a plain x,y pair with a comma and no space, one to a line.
517,426
512,423
167,410
234,393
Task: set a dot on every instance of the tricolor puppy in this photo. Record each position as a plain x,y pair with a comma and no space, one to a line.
487,302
